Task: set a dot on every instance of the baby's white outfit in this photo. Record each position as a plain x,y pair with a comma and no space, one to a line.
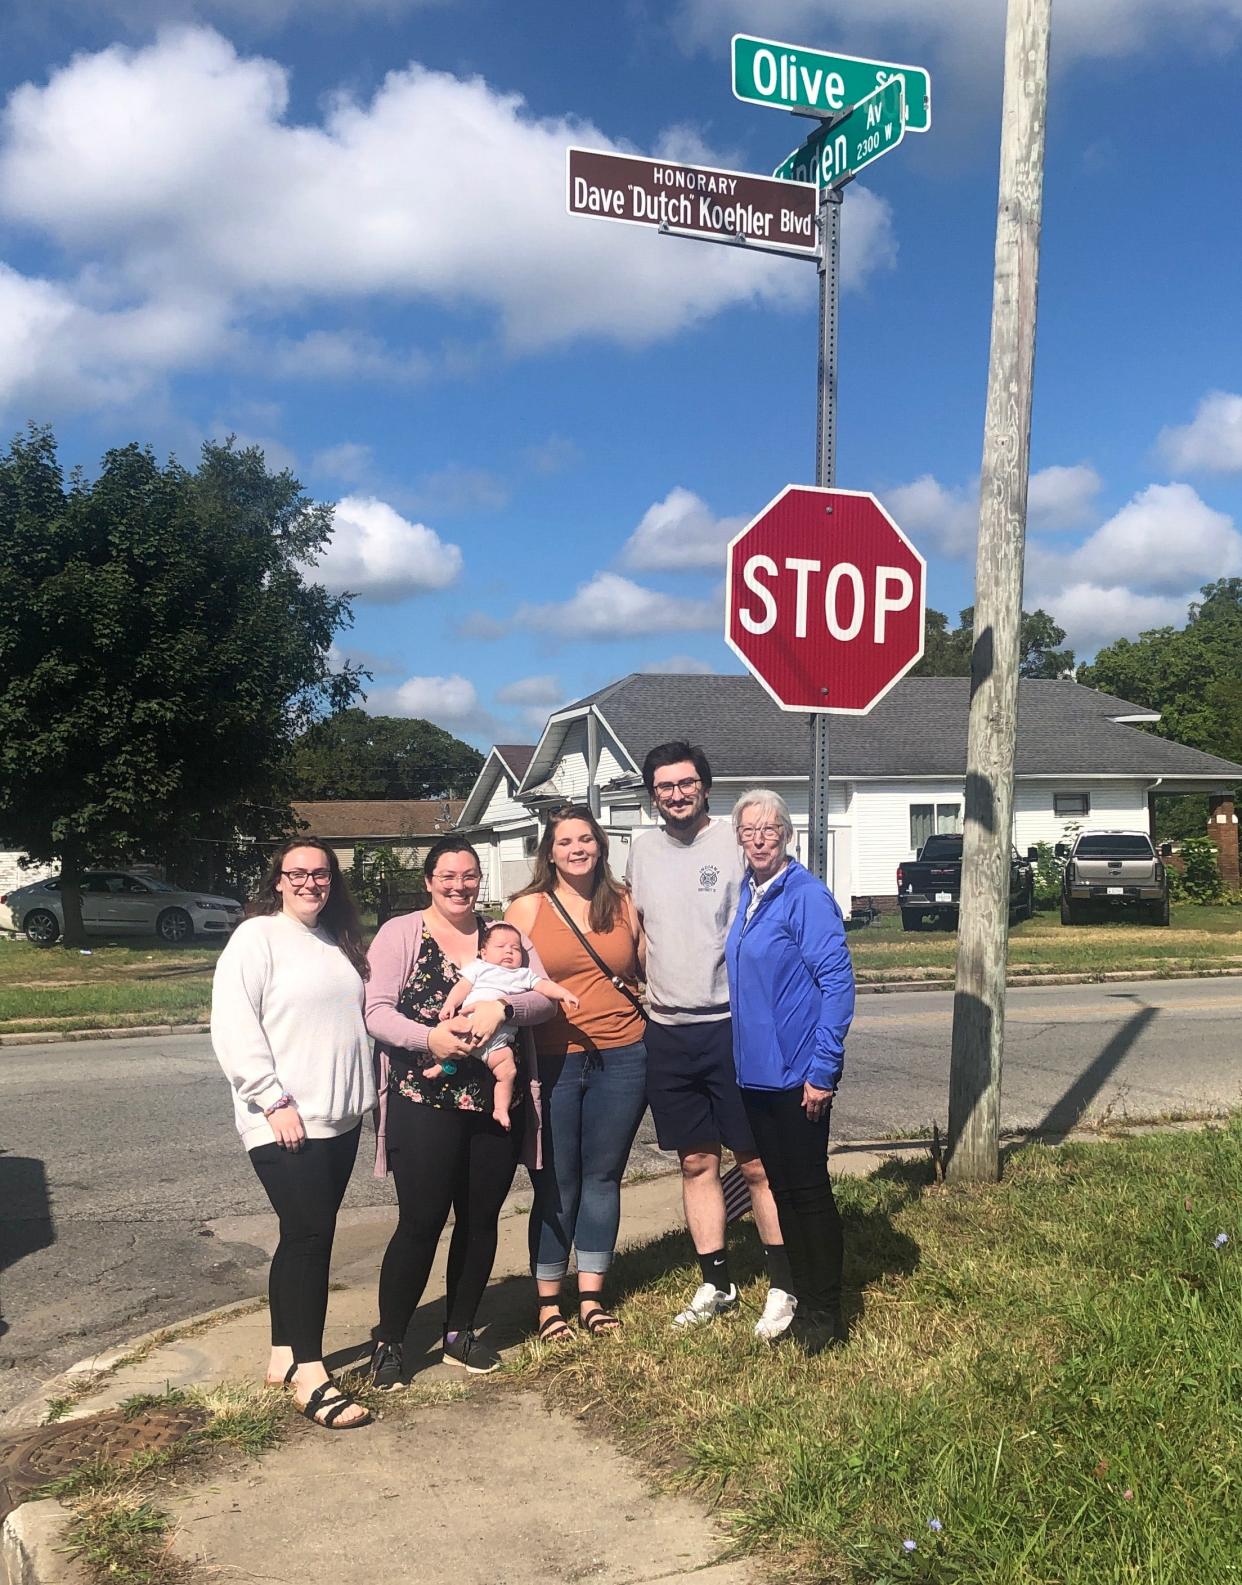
493,982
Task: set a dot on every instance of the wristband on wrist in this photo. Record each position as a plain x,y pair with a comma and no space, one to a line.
285,1100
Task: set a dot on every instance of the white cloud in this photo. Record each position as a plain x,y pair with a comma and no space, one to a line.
451,702
678,666
1165,540
477,624
544,690
1061,498
1212,441
174,165
259,15
609,606
677,533
940,519
553,455
341,355
380,555
1094,614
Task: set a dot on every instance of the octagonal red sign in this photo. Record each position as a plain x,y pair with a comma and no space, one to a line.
825,600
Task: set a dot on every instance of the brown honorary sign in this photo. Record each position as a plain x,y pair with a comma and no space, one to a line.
693,199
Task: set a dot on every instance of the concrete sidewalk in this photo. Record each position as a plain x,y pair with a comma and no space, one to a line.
462,1480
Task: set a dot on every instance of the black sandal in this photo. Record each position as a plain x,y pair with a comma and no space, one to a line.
598,1322
556,1328
333,1409
287,1382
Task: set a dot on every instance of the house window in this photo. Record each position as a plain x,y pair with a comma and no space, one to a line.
530,844
928,820
1071,804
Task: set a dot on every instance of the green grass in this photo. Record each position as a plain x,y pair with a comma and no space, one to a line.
111,987
116,987
1050,1368
1199,939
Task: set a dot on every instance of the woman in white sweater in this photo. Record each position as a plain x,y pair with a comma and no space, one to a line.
287,1027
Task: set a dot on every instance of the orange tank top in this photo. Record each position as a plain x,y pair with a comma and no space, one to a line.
604,1018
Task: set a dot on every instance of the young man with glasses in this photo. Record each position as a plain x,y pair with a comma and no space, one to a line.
686,880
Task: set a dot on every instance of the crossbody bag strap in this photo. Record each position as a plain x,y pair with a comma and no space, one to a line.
613,979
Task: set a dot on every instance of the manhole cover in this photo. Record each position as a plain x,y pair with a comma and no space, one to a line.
33,1458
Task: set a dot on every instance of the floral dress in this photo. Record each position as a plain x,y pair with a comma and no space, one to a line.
466,1084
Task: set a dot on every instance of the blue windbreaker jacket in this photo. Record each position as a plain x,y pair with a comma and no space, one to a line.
791,985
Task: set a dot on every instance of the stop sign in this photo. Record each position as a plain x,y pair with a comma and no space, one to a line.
825,599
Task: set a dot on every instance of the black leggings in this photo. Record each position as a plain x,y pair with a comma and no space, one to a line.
794,1153
306,1188
441,1158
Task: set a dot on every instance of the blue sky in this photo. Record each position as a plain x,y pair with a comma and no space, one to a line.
336,228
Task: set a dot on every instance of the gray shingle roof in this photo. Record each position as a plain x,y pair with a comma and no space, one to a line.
919,729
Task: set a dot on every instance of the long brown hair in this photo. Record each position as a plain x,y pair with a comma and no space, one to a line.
339,915
607,894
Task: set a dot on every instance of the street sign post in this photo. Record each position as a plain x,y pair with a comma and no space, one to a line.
791,77
692,200
825,600
835,153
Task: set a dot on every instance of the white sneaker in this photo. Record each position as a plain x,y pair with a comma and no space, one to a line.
707,1304
778,1312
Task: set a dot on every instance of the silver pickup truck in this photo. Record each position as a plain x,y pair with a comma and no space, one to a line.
1113,869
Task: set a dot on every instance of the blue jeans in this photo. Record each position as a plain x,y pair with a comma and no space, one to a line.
593,1102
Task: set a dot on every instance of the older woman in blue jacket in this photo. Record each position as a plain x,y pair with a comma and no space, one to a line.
791,986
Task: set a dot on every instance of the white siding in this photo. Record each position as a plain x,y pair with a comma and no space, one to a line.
609,764
502,805
12,875
882,828
1115,806
570,772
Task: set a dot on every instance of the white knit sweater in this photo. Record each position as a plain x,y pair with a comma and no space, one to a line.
286,1014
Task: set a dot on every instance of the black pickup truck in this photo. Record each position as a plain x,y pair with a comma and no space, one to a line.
930,884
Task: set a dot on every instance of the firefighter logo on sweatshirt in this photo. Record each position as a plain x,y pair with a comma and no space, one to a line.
709,875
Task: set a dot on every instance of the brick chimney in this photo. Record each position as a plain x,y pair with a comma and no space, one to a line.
1222,830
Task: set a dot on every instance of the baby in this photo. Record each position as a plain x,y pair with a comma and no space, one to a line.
499,972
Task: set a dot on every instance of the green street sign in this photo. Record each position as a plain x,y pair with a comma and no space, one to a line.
833,155
790,77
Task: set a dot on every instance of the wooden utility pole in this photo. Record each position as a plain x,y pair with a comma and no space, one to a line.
983,936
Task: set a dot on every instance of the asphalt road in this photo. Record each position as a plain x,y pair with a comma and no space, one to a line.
127,1203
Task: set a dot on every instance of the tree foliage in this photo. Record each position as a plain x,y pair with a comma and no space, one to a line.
356,755
159,652
947,651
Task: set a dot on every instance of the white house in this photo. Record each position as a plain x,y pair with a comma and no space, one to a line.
895,775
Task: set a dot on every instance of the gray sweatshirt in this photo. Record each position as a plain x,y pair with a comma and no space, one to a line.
686,895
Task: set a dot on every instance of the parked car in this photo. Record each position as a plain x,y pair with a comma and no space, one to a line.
122,902
1116,869
932,883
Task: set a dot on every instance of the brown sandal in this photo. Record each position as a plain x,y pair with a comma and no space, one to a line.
333,1408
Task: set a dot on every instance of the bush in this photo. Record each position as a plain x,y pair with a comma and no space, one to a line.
1200,880
1048,871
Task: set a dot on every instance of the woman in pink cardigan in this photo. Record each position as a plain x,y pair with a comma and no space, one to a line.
436,1135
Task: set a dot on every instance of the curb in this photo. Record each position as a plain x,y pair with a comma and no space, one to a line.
862,987
31,1546
52,1037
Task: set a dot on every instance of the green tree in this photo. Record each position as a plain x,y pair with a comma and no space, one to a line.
1193,676
159,652
356,755
947,652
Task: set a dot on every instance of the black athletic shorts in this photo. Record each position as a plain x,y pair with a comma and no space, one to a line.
692,1087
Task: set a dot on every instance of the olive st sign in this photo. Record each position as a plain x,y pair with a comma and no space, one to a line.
792,77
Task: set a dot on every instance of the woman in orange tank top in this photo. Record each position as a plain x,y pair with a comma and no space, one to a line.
592,1063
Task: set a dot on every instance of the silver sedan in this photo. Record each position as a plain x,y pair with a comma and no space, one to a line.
122,902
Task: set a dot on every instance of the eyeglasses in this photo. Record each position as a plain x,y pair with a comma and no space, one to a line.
300,877
760,833
666,789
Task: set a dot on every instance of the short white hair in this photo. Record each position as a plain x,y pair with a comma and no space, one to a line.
770,802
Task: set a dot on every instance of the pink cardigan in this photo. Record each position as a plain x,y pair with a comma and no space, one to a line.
392,955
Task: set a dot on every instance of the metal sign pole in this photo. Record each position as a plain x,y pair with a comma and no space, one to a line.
825,471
